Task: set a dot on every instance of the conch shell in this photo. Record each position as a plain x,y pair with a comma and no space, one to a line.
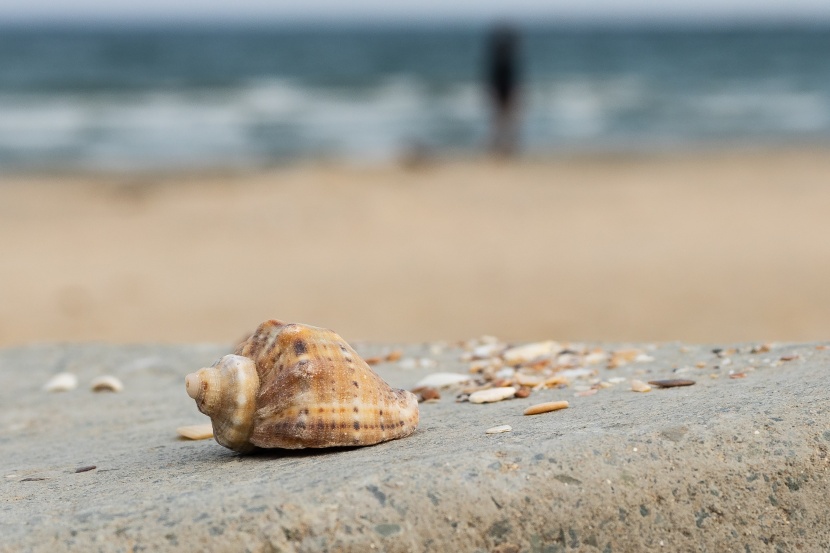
295,386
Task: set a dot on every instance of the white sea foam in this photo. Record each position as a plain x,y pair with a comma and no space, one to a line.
261,120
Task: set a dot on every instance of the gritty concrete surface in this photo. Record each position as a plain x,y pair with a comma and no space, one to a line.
724,465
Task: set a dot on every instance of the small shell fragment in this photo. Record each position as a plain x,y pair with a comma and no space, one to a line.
440,380
575,373
595,357
671,383
106,383
531,352
546,407
524,379
499,429
196,431
523,392
425,393
623,357
488,350
61,382
639,386
492,395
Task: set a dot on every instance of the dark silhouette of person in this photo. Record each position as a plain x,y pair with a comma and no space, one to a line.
502,87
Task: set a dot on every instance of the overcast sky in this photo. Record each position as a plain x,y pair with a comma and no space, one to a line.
441,10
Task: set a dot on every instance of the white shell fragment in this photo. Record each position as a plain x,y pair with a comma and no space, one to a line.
531,352
106,383
488,350
499,429
442,380
61,382
595,357
196,431
639,386
492,395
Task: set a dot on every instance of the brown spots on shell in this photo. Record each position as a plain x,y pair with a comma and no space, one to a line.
316,391
299,347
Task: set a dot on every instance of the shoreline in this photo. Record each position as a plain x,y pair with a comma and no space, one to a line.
431,158
706,247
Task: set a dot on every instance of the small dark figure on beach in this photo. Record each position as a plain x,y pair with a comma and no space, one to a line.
502,88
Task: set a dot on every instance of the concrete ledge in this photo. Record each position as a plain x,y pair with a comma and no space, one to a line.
724,465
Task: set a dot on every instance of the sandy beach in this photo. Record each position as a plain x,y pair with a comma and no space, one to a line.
706,247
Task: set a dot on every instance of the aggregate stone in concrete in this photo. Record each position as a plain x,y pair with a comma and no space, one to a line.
724,465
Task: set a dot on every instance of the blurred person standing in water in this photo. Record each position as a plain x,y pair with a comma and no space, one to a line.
502,88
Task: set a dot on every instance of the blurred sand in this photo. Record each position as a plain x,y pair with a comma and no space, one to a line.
711,247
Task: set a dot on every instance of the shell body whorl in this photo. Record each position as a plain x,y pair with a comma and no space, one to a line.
315,391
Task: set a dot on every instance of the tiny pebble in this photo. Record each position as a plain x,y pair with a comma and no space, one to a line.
499,429
492,395
373,360
85,469
61,382
394,355
671,383
546,407
106,383
639,386
196,431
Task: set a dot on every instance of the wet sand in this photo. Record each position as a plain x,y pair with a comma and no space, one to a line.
704,247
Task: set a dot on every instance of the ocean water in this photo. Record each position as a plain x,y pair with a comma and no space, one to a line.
195,98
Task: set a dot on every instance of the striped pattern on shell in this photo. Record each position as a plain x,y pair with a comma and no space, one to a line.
309,388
